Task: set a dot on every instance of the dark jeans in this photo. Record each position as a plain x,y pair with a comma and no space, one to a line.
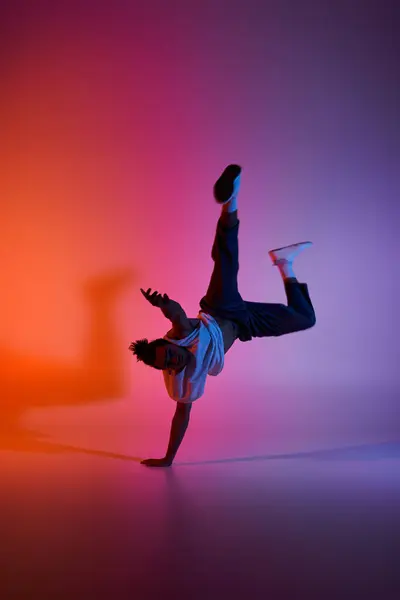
254,319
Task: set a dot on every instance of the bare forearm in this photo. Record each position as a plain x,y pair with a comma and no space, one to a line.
179,425
173,311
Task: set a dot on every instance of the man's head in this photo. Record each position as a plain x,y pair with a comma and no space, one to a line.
160,354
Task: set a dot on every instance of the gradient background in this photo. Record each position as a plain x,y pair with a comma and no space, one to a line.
116,119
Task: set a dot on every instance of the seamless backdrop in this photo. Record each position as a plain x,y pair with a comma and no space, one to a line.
116,120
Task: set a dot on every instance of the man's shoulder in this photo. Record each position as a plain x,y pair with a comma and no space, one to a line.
182,330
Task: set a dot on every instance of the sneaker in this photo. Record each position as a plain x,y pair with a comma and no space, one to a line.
228,184
288,253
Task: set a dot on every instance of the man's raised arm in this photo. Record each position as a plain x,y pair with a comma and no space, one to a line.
171,310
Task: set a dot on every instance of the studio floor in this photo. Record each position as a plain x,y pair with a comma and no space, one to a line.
86,523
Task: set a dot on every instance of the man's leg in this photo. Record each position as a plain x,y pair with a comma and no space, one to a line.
222,298
267,319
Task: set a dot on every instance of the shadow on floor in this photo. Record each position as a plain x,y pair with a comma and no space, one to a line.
31,441
36,442
367,452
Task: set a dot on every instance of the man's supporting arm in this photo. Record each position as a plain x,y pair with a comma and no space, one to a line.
179,425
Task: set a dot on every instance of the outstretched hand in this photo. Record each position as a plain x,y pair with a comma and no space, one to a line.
156,462
155,298
169,307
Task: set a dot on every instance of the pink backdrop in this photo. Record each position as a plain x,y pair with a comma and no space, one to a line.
117,119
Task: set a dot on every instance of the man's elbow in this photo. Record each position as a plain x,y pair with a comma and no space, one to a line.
180,320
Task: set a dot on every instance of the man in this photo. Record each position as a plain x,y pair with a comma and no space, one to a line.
195,348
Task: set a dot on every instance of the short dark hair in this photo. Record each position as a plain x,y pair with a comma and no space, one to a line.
145,351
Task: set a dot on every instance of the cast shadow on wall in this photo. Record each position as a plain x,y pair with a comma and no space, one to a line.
28,382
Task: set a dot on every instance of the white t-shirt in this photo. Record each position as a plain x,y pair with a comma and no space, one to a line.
207,346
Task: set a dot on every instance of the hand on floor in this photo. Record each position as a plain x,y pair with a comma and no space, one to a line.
156,462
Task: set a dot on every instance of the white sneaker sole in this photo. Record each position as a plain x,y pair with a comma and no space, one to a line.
288,252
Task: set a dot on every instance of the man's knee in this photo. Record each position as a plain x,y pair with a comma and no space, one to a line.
310,321
304,321
299,322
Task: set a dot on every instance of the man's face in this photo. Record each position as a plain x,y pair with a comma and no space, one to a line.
171,356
